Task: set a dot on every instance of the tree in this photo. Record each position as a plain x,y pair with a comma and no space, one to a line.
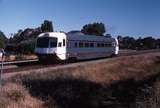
138,44
129,42
149,43
3,40
47,26
158,43
120,41
27,46
17,37
94,29
23,41
108,35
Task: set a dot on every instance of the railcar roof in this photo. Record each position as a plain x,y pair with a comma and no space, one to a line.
52,34
89,37
76,36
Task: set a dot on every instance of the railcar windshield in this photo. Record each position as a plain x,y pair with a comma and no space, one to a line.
53,42
45,42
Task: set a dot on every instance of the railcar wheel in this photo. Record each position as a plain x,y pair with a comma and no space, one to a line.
72,59
113,55
48,59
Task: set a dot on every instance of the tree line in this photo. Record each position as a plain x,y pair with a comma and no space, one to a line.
24,41
138,44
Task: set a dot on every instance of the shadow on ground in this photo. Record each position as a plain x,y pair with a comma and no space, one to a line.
80,93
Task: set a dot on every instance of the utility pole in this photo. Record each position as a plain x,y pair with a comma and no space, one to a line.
2,55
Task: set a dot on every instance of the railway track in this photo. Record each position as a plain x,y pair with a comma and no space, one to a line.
21,66
18,62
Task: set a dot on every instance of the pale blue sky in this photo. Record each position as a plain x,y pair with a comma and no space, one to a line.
122,17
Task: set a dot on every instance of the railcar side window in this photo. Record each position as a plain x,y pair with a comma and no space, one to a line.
91,44
80,44
59,44
53,42
98,44
108,44
75,44
86,44
63,42
102,44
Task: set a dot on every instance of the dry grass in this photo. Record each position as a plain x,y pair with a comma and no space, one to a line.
132,67
15,96
119,83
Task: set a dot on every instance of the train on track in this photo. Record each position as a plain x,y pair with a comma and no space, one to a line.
74,46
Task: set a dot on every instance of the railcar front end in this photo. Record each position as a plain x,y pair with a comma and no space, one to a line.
50,47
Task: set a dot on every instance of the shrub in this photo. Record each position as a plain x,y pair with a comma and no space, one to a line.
15,95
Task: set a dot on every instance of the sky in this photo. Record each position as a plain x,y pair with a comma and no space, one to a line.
137,18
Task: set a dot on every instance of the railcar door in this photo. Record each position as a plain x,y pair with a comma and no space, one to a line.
61,49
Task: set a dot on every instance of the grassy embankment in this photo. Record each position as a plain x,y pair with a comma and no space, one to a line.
125,82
